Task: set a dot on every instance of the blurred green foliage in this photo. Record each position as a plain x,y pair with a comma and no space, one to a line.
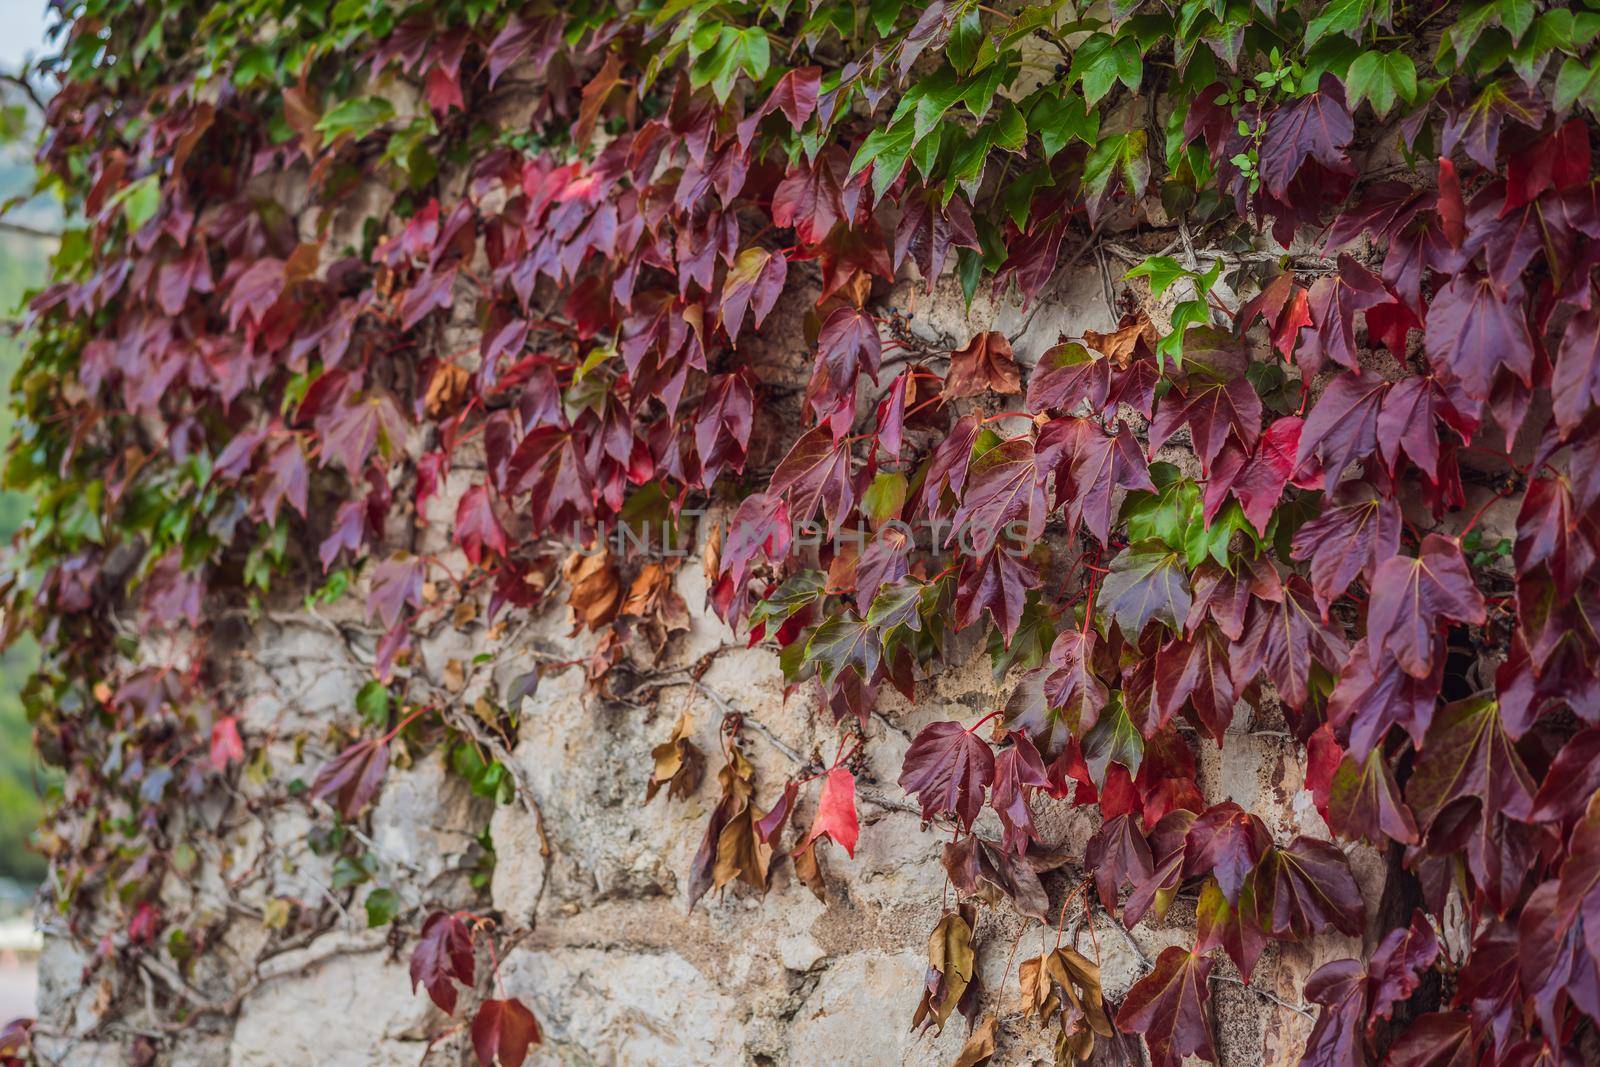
23,780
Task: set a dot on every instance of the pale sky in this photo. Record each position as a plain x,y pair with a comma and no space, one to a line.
22,24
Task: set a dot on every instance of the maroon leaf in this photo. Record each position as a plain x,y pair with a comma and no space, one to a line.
1575,386
1118,855
998,583
352,777
1469,756
1169,1007
1475,126
1285,637
1410,596
1018,771
396,584
1334,302
1363,801
1317,126
754,282
1342,426
722,425
816,473
1352,537
1196,671
947,466
1090,465
1226,842
1374,693
1004,496
477,525
1474,328
814,197
442,956
927,230
1396,968
947,767
1336,1041
502,1032
1305,888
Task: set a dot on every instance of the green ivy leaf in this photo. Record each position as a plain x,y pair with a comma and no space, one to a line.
843,641
886,149
1187,313
140,200
1577,83
1101,61
381,904
373,701
884,497
357,117
1343,16
1382,78
1162,271
966,38
1058,120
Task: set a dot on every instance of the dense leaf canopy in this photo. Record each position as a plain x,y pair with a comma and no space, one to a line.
1357,243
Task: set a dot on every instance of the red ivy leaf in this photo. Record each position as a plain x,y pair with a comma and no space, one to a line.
352,777
226,744
836,812
1410,596
442,956
1018,771
502,1032
1474,328
1169,1007
477,525
947,767
1305,888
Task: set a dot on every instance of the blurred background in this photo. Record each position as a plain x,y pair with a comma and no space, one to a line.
25,250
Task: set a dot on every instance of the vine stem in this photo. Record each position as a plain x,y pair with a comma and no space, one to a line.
403,723
992,715
1487,504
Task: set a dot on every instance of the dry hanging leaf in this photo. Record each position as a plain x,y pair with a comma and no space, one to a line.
446,389
455,675
1064,986
596,592
950,969
731,848
985,363
679,764
711,559
980,1044
1134,338
808,868
653,600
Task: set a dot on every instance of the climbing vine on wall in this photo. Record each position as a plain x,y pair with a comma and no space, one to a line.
1361,316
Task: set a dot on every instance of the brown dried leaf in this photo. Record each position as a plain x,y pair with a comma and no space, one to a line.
446,389
596,592
985,363
1134,338
808,868
679,764
980,1045
951,961
455,675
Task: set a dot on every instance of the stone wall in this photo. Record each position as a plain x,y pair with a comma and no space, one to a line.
587,881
